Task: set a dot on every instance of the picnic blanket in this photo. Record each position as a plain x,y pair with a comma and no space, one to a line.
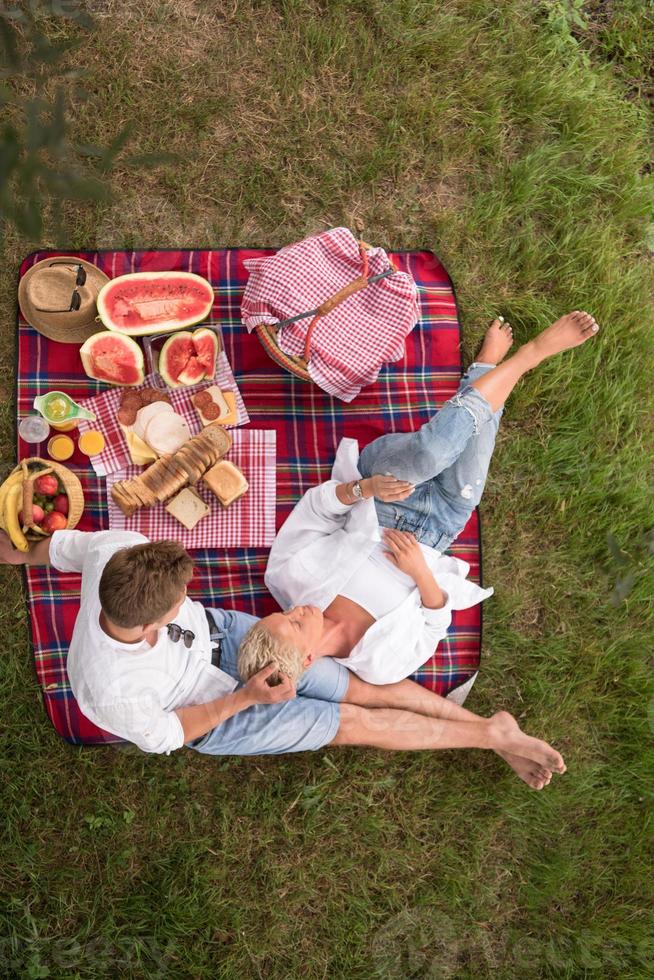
308,425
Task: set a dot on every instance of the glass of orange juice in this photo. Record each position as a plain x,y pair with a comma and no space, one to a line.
91,442
60,447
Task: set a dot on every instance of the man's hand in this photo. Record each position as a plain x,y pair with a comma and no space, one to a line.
258,691
386,488
405,553
8,554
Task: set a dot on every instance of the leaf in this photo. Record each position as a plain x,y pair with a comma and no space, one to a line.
616,551
28,217
622,588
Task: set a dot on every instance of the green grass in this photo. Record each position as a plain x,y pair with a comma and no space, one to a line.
519,151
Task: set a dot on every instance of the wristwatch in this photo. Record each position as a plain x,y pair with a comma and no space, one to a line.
357,491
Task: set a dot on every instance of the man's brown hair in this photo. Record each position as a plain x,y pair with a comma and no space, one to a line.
140,584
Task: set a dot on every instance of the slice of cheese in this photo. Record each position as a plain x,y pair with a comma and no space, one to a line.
139,451
226,401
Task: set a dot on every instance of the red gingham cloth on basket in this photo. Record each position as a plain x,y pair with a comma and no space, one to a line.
115,454
247,523
350,344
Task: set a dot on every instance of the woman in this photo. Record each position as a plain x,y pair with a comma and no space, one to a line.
379,603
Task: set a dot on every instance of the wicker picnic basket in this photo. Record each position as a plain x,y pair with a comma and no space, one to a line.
69,481
299,366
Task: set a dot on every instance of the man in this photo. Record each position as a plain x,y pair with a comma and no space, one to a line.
141,666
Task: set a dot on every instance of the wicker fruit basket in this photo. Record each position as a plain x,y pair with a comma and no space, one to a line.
35,466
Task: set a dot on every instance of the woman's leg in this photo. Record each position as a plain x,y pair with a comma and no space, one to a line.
422,455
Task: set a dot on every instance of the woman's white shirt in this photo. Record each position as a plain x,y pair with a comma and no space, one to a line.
324,543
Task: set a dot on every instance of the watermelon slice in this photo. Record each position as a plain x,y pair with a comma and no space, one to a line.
154,302
106,356
192,373
205,342
174,357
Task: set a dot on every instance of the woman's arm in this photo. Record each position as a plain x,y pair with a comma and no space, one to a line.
406,554
385,488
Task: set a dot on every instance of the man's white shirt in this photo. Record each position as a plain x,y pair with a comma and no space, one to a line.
132,689
324,543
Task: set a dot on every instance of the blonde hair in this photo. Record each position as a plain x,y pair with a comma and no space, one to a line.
260,647
140,584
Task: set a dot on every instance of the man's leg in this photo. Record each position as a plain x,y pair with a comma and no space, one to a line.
414,697
400,730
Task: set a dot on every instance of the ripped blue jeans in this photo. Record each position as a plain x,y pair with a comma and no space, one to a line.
447,459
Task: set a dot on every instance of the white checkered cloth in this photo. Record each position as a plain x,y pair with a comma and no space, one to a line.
115,454
350,344
247,523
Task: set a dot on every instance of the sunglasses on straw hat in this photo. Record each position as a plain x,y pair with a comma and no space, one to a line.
76,299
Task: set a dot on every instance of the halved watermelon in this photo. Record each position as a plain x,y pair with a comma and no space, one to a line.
154,302
109,357
205,342
187,358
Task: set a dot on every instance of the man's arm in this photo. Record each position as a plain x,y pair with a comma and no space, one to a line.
199,719
39,553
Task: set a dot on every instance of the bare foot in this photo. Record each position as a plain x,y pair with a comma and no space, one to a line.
530,772
497,342
569,331
509,738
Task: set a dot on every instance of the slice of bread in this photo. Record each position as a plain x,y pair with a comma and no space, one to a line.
188,508
226,482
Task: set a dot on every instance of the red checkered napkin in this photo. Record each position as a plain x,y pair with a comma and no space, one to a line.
115,454
248,523
350,344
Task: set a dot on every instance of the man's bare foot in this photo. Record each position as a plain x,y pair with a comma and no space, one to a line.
530,772
497,342
569,331
507,737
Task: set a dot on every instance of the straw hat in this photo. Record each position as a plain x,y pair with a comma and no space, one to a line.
46,294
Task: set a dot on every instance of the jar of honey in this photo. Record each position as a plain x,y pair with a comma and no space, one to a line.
60,447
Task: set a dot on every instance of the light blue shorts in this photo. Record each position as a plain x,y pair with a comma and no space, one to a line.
306,723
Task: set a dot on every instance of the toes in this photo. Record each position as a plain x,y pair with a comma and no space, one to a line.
555,762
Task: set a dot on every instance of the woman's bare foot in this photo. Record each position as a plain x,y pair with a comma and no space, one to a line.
508,737
497,342
569,331
530,772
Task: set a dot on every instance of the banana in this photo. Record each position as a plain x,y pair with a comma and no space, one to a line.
16,479
12,505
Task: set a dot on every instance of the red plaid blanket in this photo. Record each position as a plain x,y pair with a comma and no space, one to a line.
308,424
352,342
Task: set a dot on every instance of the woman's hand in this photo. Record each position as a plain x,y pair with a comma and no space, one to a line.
405,553
386,488
259,691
